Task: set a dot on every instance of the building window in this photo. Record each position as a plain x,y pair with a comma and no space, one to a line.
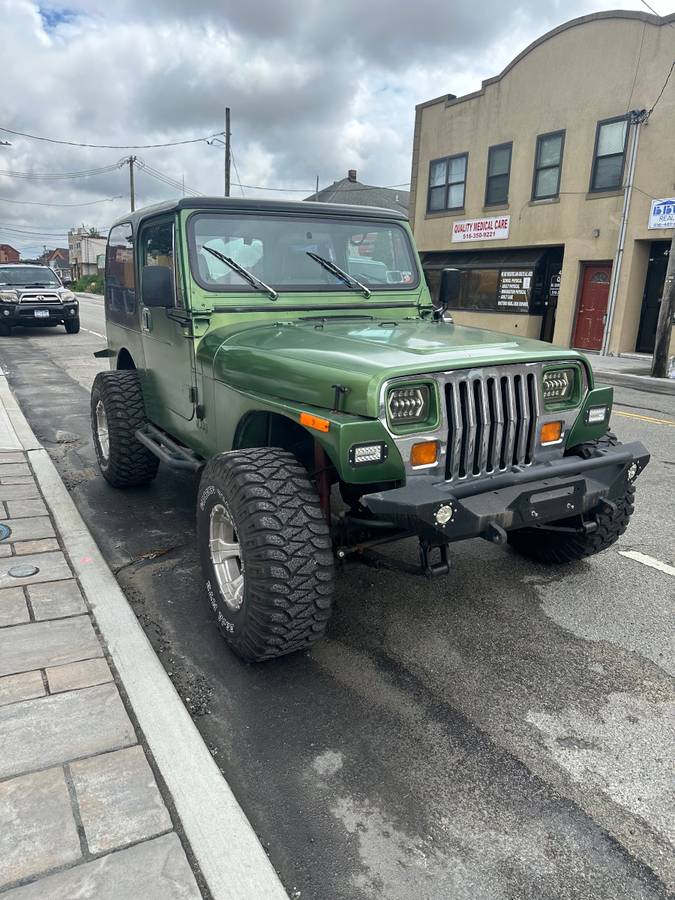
547,165
498,171
609,154
447,183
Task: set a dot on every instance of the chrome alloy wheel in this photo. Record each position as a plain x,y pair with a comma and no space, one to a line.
225,557
102,430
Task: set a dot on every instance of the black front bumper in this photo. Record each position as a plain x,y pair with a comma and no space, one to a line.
521,498
24,314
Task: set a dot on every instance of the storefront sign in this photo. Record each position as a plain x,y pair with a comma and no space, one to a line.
662,214
494,228
554,288
515,286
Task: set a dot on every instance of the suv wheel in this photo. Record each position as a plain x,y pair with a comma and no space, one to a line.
5,330
117,411
562,547
266,552
72,325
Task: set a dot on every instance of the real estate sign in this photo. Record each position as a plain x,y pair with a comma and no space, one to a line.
492,228
662,213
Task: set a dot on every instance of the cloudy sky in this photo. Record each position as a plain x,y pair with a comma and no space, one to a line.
315,86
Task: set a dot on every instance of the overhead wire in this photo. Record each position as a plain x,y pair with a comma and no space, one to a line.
35,137
39,203
665,84
234,163
56,176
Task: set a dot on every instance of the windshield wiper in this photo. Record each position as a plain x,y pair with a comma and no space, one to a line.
348,279
245,274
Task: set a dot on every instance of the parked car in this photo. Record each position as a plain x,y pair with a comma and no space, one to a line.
253,342
32,295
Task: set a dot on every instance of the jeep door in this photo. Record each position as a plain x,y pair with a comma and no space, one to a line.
166,330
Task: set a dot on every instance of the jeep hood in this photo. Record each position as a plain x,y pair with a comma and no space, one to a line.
301,361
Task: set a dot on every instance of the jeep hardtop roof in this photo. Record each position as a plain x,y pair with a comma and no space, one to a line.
290,207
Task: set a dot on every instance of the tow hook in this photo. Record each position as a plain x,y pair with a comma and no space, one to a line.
429,569
496,534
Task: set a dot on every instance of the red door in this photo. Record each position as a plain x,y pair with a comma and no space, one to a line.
592,312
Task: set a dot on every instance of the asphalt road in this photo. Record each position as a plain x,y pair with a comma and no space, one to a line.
505,732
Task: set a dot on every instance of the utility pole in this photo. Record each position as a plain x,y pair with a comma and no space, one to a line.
664,326
636,118
228,154
132,192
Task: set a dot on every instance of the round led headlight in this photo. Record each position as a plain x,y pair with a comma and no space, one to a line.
409,404
558,385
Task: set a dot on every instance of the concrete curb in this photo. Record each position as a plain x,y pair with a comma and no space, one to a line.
635,382
230,856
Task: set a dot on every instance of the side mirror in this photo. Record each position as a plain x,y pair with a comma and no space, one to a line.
448,293
157,286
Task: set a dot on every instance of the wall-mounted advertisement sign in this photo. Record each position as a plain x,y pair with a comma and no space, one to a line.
515,288
492,228
662,213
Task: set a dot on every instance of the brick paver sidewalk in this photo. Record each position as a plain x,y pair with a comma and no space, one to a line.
81,814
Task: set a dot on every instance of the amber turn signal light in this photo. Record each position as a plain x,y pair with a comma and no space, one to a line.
315,422
551,432
424,453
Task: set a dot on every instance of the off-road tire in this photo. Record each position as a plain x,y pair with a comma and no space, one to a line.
285,552
5,330
555,548
72,325
128,463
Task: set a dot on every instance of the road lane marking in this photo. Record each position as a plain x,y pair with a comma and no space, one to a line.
89,331
649,561
644,418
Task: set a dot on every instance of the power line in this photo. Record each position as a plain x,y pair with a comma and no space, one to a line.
37,203
234,163
651,9
34,137
665,84
54,176
166,179
35,232
373,187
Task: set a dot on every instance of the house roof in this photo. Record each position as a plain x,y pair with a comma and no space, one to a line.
349,190
281,207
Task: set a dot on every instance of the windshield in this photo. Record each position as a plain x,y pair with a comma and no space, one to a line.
282,252
40,276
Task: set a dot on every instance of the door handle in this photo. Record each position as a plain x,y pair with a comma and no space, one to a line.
147,319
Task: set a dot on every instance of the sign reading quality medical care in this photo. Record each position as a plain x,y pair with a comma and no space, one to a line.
493,228
662,213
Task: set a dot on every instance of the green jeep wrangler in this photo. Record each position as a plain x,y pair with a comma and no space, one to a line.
283,350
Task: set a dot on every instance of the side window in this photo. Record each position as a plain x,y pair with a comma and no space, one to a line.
447,183
547,165
498,172
120,279
610,150
157,246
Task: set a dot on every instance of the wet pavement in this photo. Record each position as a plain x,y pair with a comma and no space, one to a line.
500,733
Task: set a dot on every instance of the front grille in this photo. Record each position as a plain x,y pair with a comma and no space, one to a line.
492,421
39,299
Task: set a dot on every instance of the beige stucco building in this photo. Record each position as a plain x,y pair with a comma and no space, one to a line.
522,185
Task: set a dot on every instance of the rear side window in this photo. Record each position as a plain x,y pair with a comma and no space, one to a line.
157,247
120,276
